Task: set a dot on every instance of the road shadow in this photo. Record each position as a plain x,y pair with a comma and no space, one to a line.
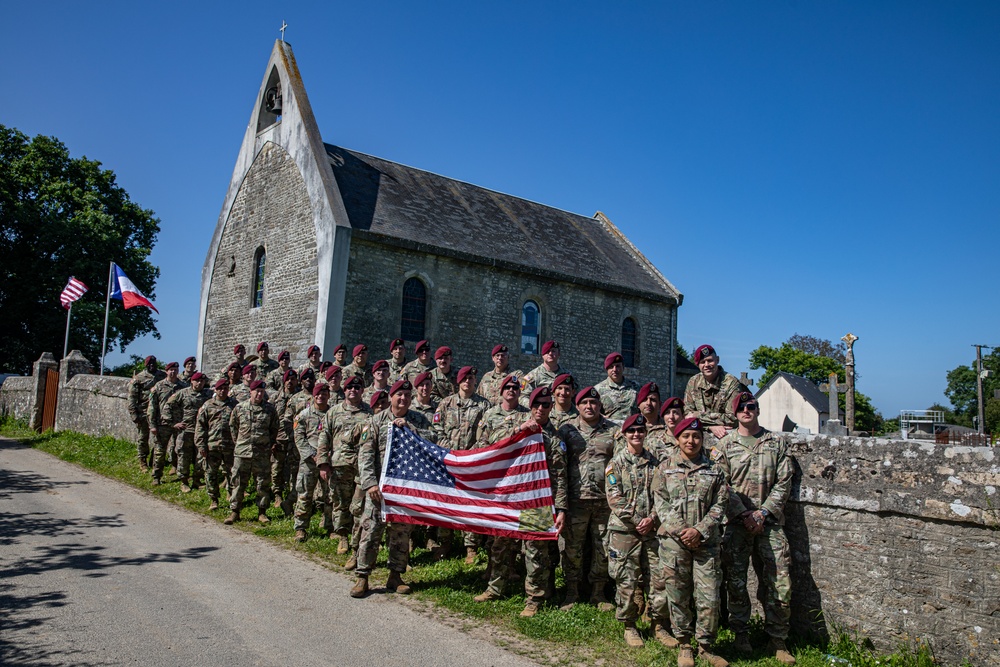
20,481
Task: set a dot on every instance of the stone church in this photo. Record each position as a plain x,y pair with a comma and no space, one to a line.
319,244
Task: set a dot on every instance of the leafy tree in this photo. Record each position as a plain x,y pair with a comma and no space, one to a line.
62,217
684,353
961,388
132,367
991,415
820,347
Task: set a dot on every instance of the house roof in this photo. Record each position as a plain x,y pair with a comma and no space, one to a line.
806,388
418,209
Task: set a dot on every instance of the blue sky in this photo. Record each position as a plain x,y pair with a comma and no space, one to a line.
792,167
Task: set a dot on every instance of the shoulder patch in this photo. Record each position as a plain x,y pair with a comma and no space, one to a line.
607,471
562,445
714,454
364,433
612,479
437,417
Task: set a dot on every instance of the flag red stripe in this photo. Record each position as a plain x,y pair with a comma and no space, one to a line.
456,459
541,501
451,511
514,534
500,473
514,488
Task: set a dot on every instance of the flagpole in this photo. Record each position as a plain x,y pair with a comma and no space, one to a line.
69,311
107,307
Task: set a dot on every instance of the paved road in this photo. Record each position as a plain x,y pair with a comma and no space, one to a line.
95,573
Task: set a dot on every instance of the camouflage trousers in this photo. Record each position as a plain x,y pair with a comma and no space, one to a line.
312,490
188,459
771,548
537,565
372,527
342,487
164,434
142,442
358,501
259,466
631,560
279,457
218,464
691,580
584,516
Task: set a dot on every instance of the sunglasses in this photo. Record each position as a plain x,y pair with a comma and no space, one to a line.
748,406
635,429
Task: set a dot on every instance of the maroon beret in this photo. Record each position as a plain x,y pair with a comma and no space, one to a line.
464,372
376,397
742,397
320,386
689,424
247,368
354,381
673,402
256,384
421,345
325,365
197,375
398,342
421,378
612,359
190,359
239,349
512,381
290,374
312,348
442,351
334,369
358,349
379,365
308,374
634,420
221,383
564,378
702,352
339,348
284,355
541,394
549,345
262,345
587,392
235,366
497,349
173,364
400,385
645,390
149,360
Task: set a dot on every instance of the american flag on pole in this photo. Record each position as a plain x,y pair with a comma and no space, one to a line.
499,490
74,290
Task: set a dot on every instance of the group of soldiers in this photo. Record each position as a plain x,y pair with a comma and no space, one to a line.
670,498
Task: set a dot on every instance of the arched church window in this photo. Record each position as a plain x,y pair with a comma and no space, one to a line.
411,326
531,327
259,261
630,340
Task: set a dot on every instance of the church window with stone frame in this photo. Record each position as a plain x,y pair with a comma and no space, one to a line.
259,261
531,327
630,343
414,311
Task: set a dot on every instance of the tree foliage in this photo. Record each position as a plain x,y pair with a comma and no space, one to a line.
62,217
961,391
820,347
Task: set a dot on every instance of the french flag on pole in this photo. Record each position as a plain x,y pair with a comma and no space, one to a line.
125,290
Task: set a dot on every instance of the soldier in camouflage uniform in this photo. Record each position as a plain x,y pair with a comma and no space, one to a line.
396,360
190,367
282,486
340,356
633,549
456,423
709,395
563,400
489,386
759,471
543,374
314,362
443,376
239,358
310,428
184,406
537,558
138,402
380,380
505,419
690,497
589,446
374,438
379,401
237,387
617,393
264,363
161,426
423,362
214,440
423,401
648,402
276,378
661,440
359,366
295,404
254,426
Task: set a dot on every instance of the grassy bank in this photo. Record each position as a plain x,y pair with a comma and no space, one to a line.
580,636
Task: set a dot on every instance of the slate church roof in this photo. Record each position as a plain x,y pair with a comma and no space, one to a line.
421,210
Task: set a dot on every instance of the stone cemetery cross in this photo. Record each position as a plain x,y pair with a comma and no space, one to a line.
283,26
833,389
744,380
850,339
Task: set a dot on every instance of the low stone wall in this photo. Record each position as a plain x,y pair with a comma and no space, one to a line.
897,540
17,397
95,405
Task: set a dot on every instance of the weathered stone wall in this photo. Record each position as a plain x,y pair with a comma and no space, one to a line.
17,397
95,405
271,210
471,307
898,540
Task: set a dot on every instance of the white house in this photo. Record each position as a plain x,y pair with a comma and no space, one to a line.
790,402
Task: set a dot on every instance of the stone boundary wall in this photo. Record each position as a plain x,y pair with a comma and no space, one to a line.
95,405
898,541
17,397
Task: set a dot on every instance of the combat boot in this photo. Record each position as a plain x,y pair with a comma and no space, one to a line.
470,555
360,587
214,506
685,656
711,658
572,595
263,518
156,481
664,637
531,608
300,536
742,643
232,518
143,466
632,637
396,585
781,653
352,562
344,545
486,597
185,488
598,600
288,506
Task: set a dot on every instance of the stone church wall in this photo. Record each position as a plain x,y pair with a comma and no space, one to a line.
271,210
471,307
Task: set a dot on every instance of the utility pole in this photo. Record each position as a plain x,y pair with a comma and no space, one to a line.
979,385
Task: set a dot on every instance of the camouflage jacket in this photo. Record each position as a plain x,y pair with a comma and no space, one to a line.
157,412
618,400
443,386
286,433
254,427
555,458
395,370
629,484
759,471
498,424
539,376
240,391
660,441
186,376
690,494
558,417
414,368
588,451
184,406
489,386
426,410
265,368
341,438
366,397
309,426
295,404
457,419
712,402
138,393
352,369
375,436
211,430
276,379
308,365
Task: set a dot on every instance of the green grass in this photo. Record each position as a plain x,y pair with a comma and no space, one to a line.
582,635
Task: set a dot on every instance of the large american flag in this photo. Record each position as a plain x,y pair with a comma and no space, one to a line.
74,290
499,490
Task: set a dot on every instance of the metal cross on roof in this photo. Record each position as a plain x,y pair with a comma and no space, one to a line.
283,26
